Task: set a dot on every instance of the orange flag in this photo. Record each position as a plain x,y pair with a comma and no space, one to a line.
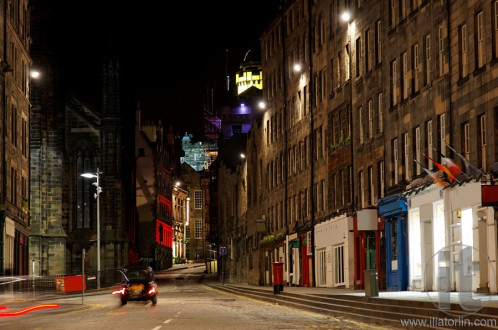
441,167
433,175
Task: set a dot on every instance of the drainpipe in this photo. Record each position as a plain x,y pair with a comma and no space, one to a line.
286,155
3,213
312,144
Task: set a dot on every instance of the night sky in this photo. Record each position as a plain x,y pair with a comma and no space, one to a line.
170,52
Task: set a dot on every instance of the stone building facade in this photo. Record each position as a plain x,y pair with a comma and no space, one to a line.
153,196
69,137
232,211
14,142
345,143
198,228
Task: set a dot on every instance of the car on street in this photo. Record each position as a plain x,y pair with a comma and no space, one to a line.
138,284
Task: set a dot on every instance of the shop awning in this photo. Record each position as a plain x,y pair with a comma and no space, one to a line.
392,205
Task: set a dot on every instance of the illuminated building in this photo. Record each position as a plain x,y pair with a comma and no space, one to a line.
153,176
14,141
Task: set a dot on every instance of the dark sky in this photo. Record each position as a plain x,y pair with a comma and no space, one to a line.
170,52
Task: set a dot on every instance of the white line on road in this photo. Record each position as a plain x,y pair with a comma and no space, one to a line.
167,321
157,328
178,314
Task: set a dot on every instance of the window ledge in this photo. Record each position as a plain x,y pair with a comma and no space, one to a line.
463,80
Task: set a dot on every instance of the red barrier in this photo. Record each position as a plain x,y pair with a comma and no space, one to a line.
68,283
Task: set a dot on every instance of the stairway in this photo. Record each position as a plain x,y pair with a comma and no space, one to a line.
379,311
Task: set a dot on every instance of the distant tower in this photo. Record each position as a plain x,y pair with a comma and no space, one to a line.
114,238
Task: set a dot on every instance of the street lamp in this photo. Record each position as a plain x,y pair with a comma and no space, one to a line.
96,195
346,17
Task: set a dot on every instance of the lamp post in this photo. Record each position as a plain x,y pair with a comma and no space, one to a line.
346,17
96,195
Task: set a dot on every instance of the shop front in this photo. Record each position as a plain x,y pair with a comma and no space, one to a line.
334,252
368,246
393,210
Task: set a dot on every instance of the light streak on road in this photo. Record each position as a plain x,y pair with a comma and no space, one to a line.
27,310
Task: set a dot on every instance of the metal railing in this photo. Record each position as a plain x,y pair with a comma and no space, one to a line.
37,286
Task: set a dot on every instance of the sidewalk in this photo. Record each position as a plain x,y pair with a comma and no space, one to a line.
488,300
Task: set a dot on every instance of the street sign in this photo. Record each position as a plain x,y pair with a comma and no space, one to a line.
223,250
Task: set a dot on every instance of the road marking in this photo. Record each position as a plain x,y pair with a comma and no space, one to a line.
167,321
157,328
178,314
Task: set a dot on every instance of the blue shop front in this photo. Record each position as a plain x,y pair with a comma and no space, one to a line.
394,211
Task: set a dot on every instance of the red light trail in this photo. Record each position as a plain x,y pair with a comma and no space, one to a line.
27,309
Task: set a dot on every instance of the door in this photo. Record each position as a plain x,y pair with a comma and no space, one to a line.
370,251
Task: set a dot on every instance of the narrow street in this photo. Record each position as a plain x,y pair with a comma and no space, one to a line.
184,303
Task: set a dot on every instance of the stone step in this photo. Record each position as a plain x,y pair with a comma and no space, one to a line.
373,310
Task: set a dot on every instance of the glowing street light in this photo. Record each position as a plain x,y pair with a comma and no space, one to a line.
96,195
297,67
346,16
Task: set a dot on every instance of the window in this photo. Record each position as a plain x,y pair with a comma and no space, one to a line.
362,190
360,123
197,199
463,48
404,81
322,194
427,59
406,152
402,9
346,62
381,179
14,129
378,43
370,119
368,51
319,144
429,141
494,28
236,129
343,184
339,265
394,99
392,14
24,138
415,69
358,57
306,203
371,187
482,142
395,160
13,186
83,191
322,267
350,184
333,79
268,132
466,140
198,229
309,248
441,50
380,114
334,191
442,130
479,40
338,71
417,149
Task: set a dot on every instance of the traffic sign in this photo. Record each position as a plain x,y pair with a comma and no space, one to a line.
223,250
